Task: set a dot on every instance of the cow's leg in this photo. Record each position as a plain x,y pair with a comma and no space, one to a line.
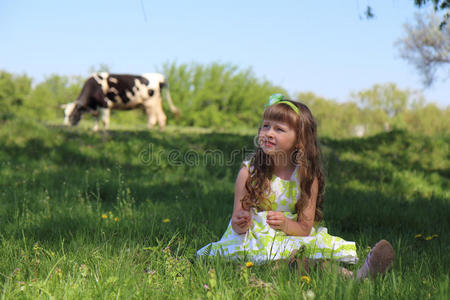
95,123
152,118
104,115
161,119
155,113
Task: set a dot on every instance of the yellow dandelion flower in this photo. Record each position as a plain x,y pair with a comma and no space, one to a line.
249,264
167,220
305,279
428,238
116,219
434,236
104,216
417,236
110,213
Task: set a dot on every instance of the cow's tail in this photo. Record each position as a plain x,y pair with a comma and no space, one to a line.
173,109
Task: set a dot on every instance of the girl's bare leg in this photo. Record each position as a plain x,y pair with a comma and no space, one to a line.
305,264
378,262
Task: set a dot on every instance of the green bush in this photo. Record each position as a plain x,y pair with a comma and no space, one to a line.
223,96
14,90
217,95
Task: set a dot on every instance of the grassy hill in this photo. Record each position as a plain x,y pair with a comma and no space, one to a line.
122,213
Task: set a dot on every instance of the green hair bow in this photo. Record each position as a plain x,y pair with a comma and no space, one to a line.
278,98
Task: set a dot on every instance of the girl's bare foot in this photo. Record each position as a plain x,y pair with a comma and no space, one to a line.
379,260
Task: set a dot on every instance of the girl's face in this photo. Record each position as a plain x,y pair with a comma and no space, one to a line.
277,138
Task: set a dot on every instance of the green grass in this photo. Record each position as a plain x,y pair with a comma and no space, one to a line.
82,214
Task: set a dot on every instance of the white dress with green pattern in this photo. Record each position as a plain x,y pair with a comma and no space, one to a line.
262,243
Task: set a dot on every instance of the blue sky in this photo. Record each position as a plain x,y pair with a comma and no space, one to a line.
300,45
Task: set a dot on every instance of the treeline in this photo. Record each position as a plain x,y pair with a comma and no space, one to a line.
20,99
378,109
225,96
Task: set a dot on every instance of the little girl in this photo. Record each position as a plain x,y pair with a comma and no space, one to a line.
279,196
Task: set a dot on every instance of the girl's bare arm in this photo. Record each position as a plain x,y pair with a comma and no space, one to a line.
241,219
305,220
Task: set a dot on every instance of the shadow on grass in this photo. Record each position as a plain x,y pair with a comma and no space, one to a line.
399,148
200,197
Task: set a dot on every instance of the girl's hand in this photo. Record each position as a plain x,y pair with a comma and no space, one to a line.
277,220
241,221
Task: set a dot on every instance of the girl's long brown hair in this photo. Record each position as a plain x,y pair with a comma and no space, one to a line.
307,158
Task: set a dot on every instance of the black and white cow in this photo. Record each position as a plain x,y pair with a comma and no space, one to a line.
103,91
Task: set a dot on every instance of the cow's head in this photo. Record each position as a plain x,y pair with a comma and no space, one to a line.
72,113
68,108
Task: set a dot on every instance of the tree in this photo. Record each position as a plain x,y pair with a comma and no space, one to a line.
386,97
43,102
14,90
428,120
388,103
426,46
99,68
438,6
334,119
218,94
